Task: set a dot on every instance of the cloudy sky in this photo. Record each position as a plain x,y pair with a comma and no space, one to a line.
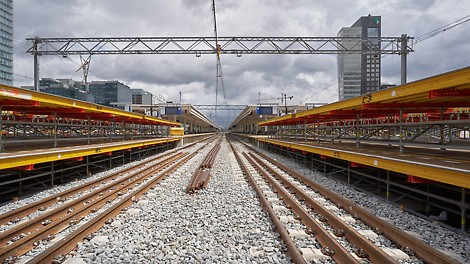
309,78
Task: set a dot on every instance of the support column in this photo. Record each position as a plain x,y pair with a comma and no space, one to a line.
88,166
462,212
20,183
55,130
441,129
36,64
357,130
403,53
388,185
124,130
401,130
305,130
89,131
52,173
1,129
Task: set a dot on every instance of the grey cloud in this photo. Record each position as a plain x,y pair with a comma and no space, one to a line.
311,77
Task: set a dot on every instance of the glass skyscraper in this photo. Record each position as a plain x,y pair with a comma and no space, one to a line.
6,42
360,73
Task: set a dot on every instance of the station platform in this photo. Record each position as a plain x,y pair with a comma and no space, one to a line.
450,167
15,159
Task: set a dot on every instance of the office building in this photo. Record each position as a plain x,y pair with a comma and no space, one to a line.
6,42
360,73
140,96
65,88
112,93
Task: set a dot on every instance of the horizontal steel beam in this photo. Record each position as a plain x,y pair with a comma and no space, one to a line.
206,45
220,107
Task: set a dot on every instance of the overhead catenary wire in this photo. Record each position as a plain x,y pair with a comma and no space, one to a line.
439,30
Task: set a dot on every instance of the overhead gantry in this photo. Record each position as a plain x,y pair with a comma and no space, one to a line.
226,45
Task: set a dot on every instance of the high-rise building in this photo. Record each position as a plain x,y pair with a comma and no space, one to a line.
360,73
6,42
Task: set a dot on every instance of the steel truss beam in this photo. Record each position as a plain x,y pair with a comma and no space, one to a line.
220,107
228,45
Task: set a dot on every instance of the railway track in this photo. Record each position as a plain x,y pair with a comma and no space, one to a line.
316,223
81,210
202,174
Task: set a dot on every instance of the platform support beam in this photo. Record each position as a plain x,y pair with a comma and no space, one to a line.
1,129
349,173
357,130
88,166
55,129
401,130
441,129
388,185
463,209
52,174
89,130
20,183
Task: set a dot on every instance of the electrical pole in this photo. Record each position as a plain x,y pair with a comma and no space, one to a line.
151,104
284,98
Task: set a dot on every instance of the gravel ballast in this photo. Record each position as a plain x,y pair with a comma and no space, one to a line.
221,224
452,243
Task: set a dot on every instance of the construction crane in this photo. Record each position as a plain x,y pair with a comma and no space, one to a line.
85,66
218,49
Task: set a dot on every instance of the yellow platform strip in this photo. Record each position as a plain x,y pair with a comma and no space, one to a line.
457,177
23,158
49,100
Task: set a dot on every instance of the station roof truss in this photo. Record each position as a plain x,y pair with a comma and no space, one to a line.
447,93
27,102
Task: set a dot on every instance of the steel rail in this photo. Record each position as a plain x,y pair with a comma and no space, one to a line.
375,254
340,254
202,175
28,209
78,203
68,243
422,250
16,214
63,216
292,249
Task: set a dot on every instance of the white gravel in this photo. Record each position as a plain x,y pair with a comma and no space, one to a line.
222,224
454,244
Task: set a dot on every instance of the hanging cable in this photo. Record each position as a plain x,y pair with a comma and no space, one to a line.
442,29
